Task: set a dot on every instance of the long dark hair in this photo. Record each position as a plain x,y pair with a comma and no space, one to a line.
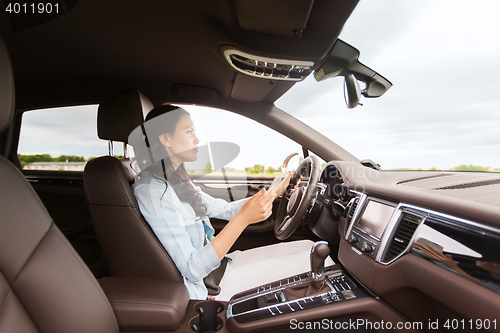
163,168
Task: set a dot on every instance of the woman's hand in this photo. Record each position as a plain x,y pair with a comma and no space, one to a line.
259,207
281,188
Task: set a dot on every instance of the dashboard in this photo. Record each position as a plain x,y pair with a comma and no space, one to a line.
420,237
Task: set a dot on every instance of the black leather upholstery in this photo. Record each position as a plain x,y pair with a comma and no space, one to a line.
44,284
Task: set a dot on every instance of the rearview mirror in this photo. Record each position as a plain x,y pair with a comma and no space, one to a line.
343,61
351,91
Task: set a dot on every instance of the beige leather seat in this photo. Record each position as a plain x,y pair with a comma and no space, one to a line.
129,245
44,284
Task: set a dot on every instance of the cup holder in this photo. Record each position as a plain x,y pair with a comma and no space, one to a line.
207,320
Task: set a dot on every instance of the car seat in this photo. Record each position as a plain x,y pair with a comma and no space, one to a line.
44,284
129,245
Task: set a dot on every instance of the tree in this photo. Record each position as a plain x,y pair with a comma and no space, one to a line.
208,168
256,169
25,159
69,158
469,167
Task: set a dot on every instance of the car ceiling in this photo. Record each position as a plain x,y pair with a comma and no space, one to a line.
99,47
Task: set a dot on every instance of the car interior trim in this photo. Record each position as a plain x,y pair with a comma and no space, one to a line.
409,245
450,224
273,300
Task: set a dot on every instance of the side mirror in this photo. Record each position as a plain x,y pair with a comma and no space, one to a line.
352,92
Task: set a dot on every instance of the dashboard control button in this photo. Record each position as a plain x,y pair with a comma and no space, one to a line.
348,294
354,238
367,247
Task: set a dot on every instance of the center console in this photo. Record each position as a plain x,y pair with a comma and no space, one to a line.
293,297
329,298
323,296
367,230
281,297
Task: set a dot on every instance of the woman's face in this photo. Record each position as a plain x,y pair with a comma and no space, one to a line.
182,146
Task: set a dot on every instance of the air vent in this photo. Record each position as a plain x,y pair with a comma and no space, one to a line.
267,68
350,213
402,237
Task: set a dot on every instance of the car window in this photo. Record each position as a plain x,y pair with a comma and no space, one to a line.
61,139
65,139
262,150
441,113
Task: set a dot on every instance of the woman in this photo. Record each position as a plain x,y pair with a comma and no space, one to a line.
178,211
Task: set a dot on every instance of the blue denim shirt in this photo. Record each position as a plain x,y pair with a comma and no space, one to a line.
180,231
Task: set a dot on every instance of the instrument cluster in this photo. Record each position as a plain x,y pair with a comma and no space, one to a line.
337,190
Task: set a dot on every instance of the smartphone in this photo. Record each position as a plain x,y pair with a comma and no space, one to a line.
276,181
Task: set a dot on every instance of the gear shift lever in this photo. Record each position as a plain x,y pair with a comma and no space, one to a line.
319,252
317,286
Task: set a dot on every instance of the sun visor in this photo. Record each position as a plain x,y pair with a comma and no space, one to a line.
250,89
278,17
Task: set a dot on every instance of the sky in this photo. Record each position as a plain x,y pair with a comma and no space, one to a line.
62,132
442,111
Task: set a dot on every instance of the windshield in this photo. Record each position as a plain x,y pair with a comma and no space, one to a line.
443,109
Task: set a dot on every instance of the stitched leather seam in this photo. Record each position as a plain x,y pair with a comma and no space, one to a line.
143,303
143,223
11,292
59,233
5,300
116,177
31,255
167,256
22,269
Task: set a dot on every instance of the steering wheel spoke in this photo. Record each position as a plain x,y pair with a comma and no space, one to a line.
292,209
284,224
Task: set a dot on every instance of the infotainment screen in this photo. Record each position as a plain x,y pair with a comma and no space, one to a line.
375,218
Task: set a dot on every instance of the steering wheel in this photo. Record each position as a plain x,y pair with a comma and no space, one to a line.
296,201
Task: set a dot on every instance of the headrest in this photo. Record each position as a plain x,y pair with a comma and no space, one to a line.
121,115
7,94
